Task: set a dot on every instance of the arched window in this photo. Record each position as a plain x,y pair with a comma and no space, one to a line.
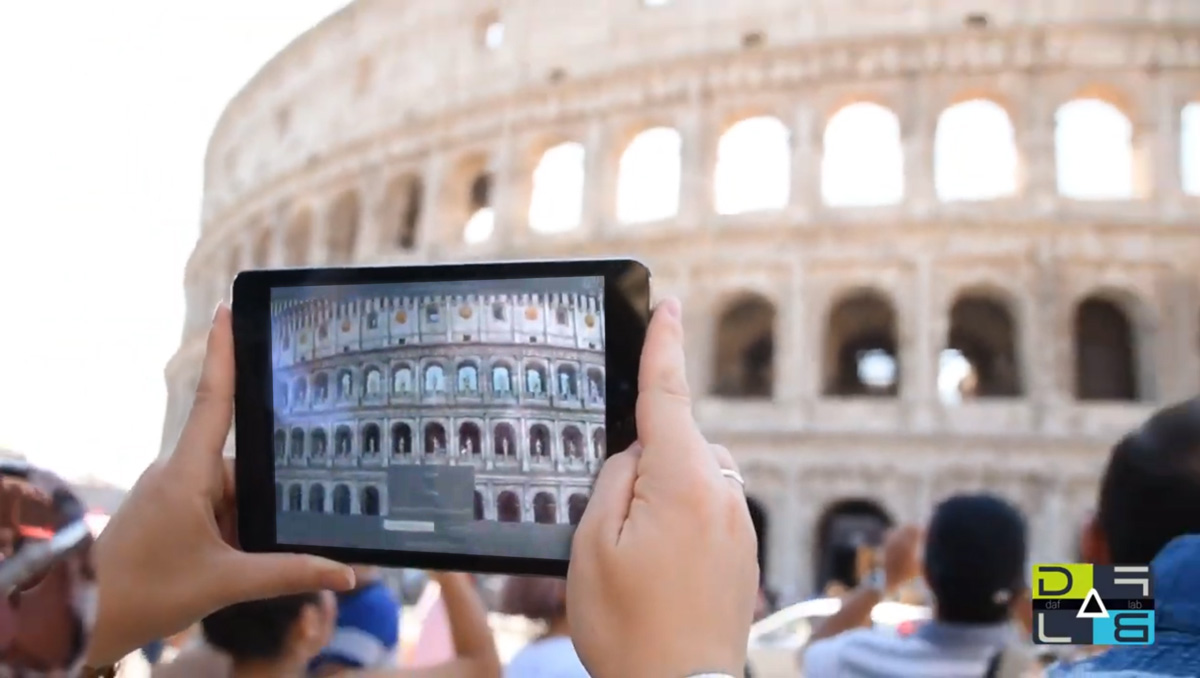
469,439
573,446
316,498
501,380
980,359
371,439
280,445
341,500
321,387
1189,148
576,505
374,381
754,167
320,444
863,159
508,507
504,441
370,501
278,498
280,391
405,195
556,204
539,442
545,511
297,443
745,355
300,390
478,505
861,350
595,386
568,382
482,220
401,439
1105,352
433,314
468,379
343,228
435,438
295,498
435,379
402,380
648,178
599,443
975,152
535,381
345,385
1093,144
373,320
343,441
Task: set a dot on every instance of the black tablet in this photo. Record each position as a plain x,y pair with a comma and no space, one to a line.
448,417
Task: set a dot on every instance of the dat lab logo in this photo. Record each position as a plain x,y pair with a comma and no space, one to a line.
1093,604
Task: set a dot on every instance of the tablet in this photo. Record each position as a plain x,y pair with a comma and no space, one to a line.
447,417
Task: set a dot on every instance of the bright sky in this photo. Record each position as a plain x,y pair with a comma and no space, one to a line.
107,107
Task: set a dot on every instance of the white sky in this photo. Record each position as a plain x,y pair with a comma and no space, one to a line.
105,110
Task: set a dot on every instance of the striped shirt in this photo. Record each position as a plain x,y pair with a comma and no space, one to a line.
935,650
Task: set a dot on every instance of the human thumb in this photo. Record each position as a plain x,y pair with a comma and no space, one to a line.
664,405
270,575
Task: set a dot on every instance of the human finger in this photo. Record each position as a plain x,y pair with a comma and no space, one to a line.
664,406
268,575
212,410
612,493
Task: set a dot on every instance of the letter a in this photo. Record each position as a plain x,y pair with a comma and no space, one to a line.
1093,607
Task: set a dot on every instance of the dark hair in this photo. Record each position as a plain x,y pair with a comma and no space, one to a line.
256,630
537,598
1150,492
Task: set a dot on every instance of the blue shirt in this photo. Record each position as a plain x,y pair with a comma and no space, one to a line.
1176,649
368,629
547,658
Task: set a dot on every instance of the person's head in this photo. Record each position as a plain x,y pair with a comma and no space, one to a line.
1150,490
289,629
538,598
975,558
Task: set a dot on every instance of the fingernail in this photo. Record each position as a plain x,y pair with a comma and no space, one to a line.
217,311
671,307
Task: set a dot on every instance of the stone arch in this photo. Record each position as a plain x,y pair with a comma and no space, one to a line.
470,442
504,440
467,377
1093,146
316,498
975,152
405,197
576,505
371,439
758,516
502,378
981,358
599,443
861,346
572,443
345,384
319,442
545,509
280,445
649,176
373,380
472,206
341,500
535,380
862,162
596,393
559,180
300,390
539,442
435,438
745,349
434,379
321,387
298,242
842,529
567,381
401,439
1106,350
370,501
508,507
343,441
402,379
754,166
297,443
295,497
479,513
343,227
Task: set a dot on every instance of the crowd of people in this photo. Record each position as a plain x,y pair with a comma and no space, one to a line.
663,579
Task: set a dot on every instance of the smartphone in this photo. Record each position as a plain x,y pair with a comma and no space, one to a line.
447,417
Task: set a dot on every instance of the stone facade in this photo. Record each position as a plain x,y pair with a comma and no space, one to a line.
510,384
816,323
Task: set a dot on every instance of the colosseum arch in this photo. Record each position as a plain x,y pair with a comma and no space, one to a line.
862,162
508,507
980,359
504,441
479,511
975,152
435,438
341,500
343,442
745,349
372,443
572,443
540,445
1093,147
1189,148
321,387
862,346
843,528
295,498
369,501
558,184
320,443
545,509
401,439
470,441
403,201
280,444
599,443
343,227
316,498
469,208
754,166
298,242
300,390
1108,353
649,176
297,447
576,505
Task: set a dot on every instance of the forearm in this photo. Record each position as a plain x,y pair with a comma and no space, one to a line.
468,622
854,613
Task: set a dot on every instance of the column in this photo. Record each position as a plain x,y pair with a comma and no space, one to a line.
797,361
1167,129
599,192
922,329
429,235
506,186
318,246
698,161
1035,146
794,576
917,128
373,197
807,142
1048,342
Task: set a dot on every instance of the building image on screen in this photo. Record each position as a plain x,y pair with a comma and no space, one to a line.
450,417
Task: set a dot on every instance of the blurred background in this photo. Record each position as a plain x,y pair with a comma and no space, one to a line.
923,246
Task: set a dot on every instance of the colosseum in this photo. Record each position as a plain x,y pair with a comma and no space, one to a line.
922,246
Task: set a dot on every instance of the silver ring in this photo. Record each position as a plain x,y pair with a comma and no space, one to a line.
734,475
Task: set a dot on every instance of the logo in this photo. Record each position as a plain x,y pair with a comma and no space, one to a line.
1076,604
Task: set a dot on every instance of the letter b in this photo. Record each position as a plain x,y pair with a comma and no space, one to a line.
1131,628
